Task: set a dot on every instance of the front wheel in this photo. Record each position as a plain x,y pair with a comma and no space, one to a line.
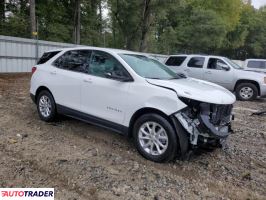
155,138
246,91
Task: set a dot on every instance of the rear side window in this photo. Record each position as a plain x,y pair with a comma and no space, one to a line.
175,61
47,56
257,64
196,62
74,60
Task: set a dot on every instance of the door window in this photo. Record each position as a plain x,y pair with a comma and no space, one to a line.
103,64
175,60
217,64
196,62
74,60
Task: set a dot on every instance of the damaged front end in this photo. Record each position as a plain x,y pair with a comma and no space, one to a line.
207,124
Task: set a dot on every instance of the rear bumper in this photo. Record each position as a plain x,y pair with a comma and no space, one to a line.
32,96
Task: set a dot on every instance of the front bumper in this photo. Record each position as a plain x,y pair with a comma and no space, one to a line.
208,125
32,96
263,90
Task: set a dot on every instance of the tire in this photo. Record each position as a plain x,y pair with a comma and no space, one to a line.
50,115
246,91
163,129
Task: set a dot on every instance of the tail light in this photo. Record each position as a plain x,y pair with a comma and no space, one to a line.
33,69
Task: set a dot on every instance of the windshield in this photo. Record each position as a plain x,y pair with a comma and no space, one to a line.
149,68
233,64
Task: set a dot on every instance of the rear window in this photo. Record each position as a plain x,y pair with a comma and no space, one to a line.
175,61
257,64
47,56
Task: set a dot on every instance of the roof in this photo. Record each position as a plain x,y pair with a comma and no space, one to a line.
96,48
195,55
255,59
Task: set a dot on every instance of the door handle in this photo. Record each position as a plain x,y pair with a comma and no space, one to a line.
186,70
208,72
53,72
87,80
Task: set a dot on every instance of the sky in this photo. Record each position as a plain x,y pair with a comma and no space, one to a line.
258,3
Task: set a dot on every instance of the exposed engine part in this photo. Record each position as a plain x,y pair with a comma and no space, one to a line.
216,119
190,126
208,121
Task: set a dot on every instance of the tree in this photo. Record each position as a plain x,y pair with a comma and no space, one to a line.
255,44
76,29
2,11
125,16
145,25
33,27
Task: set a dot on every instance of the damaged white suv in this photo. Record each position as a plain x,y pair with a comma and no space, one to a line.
165,113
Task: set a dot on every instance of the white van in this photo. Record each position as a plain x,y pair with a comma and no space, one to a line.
255,65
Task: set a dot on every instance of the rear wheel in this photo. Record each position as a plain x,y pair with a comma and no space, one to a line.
246,91
155,138
46,106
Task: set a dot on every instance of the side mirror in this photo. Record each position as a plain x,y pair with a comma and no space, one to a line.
182,75
118,78
223,66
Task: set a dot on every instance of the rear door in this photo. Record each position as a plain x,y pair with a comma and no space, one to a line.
67,77
194,67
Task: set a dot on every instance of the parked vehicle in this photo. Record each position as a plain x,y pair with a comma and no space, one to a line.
255,65
247,85
134,95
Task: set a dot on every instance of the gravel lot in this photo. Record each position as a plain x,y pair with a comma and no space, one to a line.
82,161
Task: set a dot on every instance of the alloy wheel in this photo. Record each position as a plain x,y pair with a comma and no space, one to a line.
153,138
45,106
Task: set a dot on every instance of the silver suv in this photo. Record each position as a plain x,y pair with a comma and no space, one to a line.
247,85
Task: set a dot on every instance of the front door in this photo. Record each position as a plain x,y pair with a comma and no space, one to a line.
218,71
104,97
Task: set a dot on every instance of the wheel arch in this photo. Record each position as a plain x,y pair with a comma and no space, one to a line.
41,88
248,81
143,111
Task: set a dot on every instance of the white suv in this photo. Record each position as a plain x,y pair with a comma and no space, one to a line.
131,94
255,65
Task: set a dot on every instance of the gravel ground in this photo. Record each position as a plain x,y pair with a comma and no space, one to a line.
82,161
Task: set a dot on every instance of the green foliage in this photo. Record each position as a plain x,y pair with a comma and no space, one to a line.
256,40
227,27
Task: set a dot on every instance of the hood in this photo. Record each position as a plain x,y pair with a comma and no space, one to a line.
263,71
197,90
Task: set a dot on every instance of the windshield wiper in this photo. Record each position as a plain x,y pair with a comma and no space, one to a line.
179,76
153,78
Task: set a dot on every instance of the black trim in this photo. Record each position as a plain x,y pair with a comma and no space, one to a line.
32,96
162,86
204,118
92,119
182,137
